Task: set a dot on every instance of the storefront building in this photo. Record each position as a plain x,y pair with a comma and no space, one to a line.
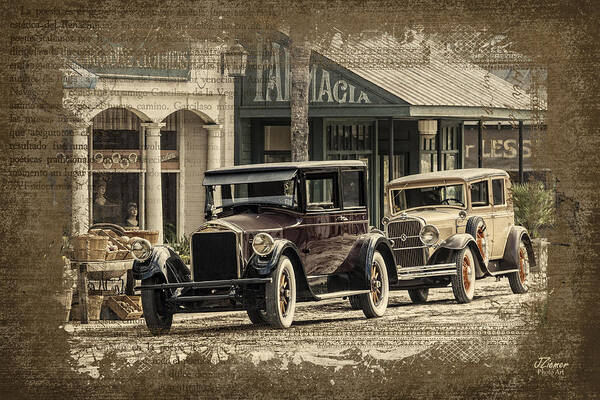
148,132
399,118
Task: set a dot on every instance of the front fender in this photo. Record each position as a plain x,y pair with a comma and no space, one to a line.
510,259
263,266
457,242
163,262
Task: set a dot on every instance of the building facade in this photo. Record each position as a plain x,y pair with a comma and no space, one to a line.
400,110
149,132
150,127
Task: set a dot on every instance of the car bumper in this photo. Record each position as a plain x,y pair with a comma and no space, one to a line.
207,284
426,271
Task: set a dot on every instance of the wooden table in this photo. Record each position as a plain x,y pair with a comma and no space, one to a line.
83,268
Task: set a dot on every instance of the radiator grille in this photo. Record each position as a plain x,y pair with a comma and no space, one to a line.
403,253
215,256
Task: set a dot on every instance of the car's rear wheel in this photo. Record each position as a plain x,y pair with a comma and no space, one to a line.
375,302
519,280
280,295
156,312
418,295
257,316
354,302
476,227
463,283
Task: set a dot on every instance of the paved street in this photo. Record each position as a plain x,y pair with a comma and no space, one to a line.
323,333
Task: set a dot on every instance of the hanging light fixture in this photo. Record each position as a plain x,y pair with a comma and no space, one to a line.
235,60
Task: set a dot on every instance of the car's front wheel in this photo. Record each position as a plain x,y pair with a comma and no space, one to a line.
463,283
519,280
280,295
375,302
156,312
418,295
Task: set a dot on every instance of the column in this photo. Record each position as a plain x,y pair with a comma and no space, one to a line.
80,211
213,155
154,212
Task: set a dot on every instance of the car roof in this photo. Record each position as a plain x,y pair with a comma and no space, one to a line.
285,166
467,174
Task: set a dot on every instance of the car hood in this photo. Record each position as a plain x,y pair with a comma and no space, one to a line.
267,221
435,216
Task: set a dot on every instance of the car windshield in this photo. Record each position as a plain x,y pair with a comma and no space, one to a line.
278,193
430,196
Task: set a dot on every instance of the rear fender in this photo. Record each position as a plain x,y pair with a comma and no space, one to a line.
164,263
455,243
510,259
362,260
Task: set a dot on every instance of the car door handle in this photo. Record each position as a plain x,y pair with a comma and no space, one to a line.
341,218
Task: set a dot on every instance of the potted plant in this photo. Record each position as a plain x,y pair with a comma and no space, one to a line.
534,209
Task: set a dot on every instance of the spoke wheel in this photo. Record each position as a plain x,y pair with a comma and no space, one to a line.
375,302
519,280
280,295
463,283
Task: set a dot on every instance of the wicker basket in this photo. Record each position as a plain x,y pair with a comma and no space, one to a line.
151,236
89,247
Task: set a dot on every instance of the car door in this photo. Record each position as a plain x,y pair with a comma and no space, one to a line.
503,216
321,225
354,219
481,204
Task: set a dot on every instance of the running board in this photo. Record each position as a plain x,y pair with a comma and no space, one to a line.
341,294
415,275
500,273
423,268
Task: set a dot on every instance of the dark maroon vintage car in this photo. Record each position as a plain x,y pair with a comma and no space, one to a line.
275,234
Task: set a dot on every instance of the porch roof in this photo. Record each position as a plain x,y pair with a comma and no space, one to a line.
429,79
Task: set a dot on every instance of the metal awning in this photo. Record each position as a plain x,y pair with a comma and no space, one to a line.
234,178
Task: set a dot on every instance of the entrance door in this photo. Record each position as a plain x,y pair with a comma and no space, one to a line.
355,140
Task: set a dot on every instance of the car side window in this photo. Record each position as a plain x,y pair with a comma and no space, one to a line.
321,192
352,189
479,194
498,192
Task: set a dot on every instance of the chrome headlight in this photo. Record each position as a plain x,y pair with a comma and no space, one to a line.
263,244
429,235
141,249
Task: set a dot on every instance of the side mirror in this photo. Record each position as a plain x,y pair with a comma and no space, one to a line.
462,214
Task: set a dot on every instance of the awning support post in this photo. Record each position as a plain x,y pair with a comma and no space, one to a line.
391,149
480,144
439,145
520,151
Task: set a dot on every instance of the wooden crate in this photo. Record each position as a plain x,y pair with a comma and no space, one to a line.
124,307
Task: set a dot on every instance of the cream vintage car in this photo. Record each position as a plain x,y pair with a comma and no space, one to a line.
454,227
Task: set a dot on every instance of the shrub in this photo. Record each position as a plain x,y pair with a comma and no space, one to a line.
181,245
534,206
